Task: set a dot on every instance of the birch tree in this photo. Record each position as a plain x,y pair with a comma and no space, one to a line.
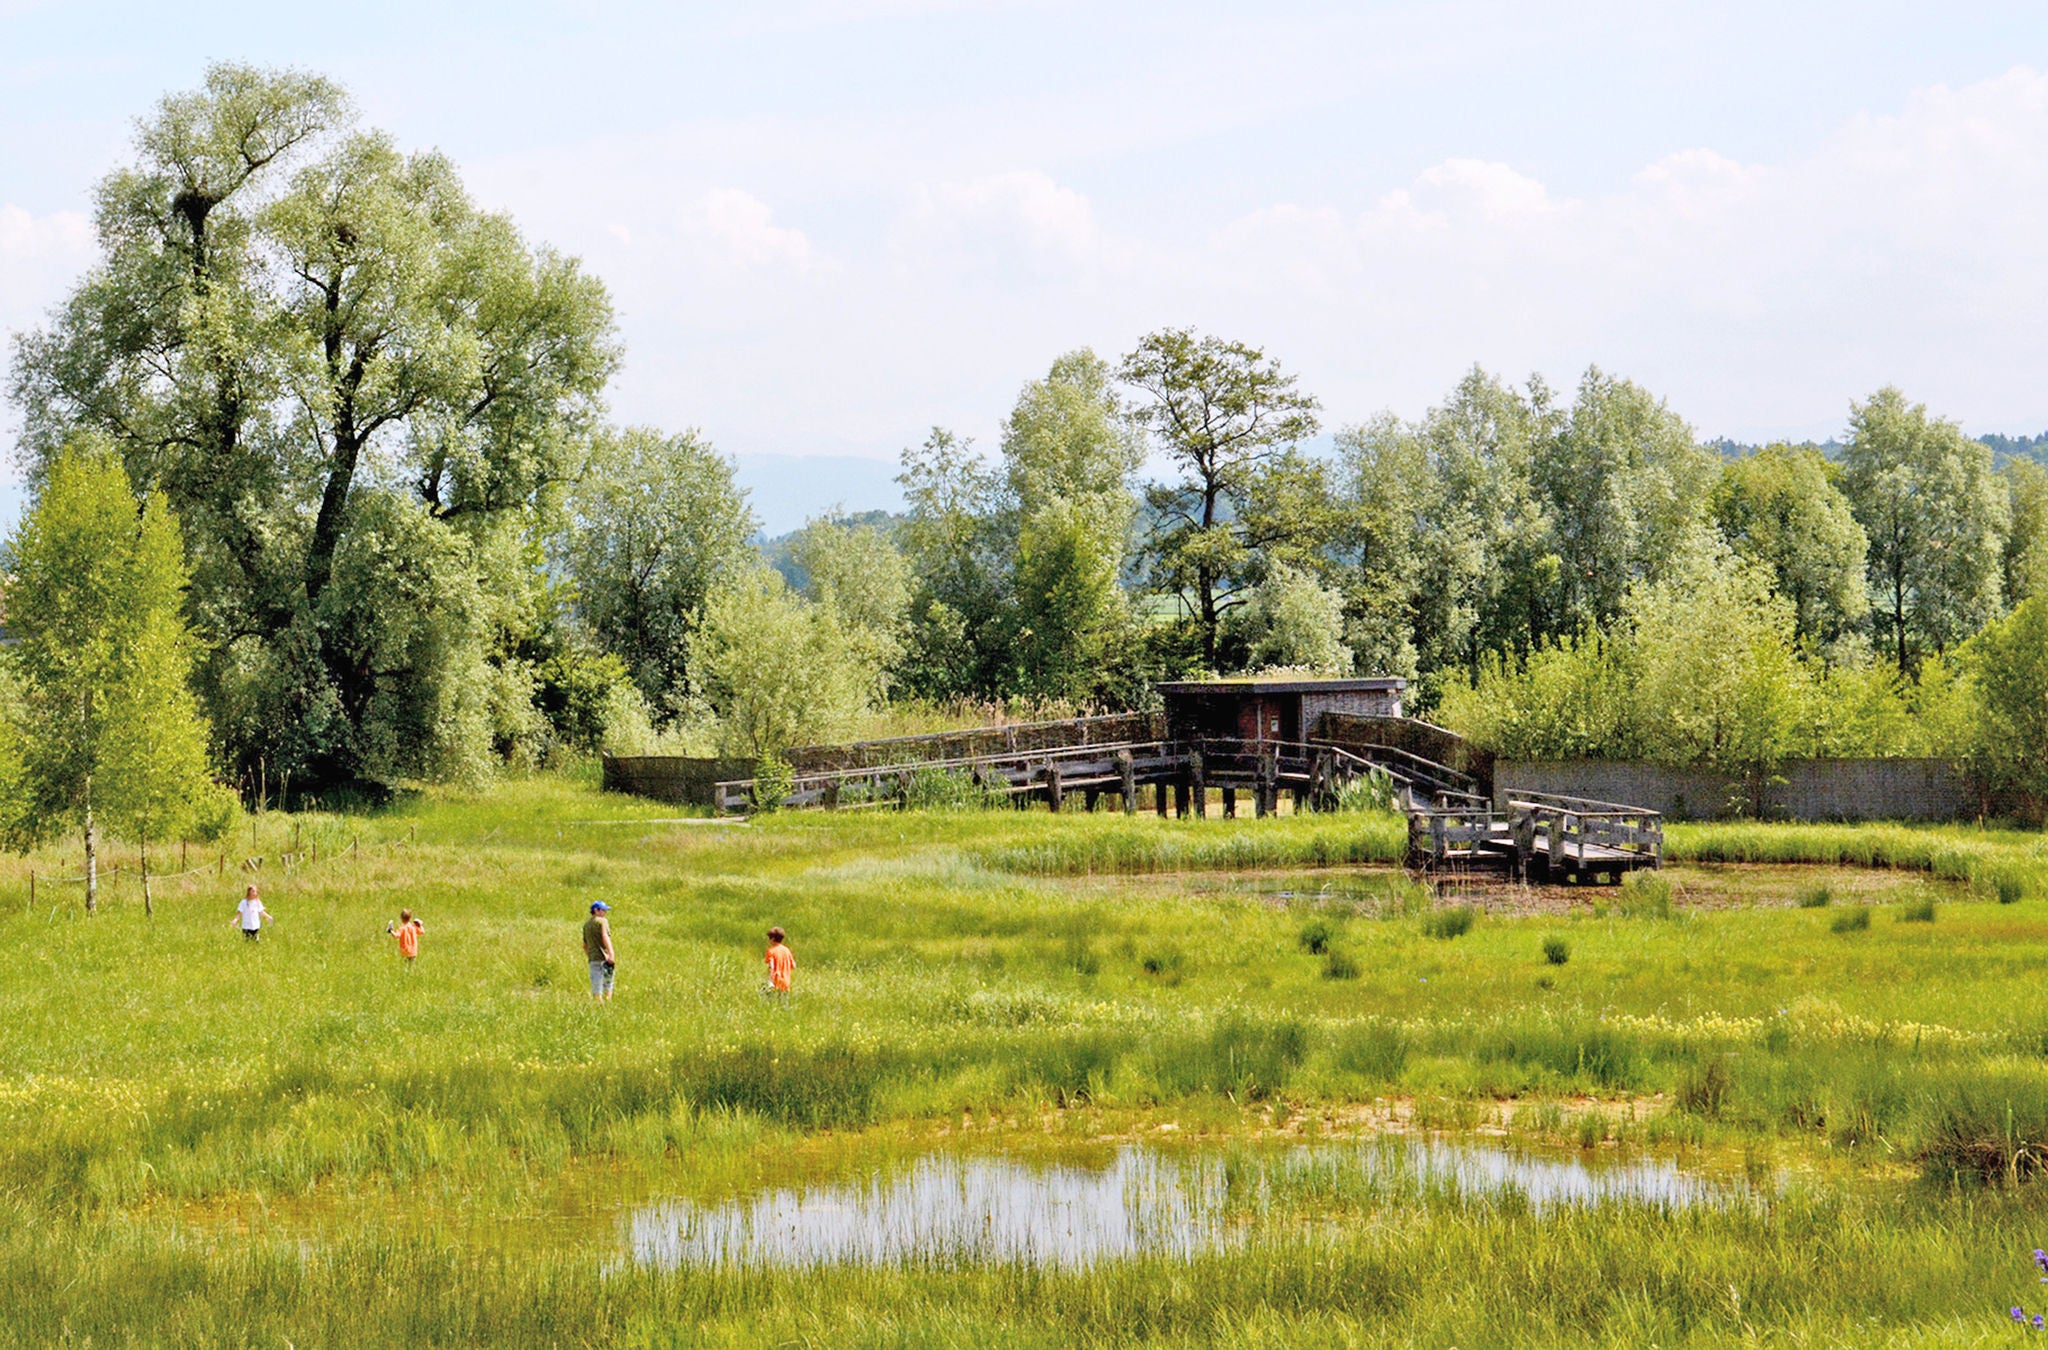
106,726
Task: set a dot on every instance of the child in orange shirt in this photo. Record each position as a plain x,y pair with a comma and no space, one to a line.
781,963
408,934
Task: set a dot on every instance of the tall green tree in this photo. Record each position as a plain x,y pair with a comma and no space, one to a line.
1446,530
1936,515
1624,482
106,730
857,574
2026,546
1069,456
1780,507
652,525
955,537
1222,412
305,337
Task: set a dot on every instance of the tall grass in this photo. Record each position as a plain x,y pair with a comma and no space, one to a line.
958,969
1179,846
2006,863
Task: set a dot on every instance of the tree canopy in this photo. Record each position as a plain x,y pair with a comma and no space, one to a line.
339,372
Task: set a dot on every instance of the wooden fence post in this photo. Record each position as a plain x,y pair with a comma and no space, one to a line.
1053,793
1128,772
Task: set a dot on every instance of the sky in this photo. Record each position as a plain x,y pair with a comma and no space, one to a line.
829,226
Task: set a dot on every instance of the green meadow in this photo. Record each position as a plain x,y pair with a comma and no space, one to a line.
301,1142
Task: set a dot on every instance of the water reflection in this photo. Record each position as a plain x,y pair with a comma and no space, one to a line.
947,1207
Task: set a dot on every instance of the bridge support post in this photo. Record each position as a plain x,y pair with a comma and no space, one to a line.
1128,772
1230,803
1198,788
1180,799
1052,787
1089,797
1159,799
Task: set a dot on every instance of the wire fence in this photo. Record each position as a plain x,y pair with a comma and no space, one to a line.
292,861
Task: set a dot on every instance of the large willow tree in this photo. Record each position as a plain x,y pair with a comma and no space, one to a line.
356,389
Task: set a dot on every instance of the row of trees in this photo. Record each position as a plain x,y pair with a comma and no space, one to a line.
415,546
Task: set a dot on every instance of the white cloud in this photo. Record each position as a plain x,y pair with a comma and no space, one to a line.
1906,248
39,257
731,228
1020,215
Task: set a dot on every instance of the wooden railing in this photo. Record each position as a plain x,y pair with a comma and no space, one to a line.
1578,834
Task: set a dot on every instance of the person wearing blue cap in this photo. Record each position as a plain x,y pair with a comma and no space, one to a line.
597,947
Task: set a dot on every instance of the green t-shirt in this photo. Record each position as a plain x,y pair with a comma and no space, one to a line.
595,930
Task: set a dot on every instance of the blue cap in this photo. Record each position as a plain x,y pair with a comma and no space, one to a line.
597,905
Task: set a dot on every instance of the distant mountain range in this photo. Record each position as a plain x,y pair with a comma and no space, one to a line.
2002,447
787,490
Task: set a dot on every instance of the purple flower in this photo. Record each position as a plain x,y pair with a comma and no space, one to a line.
2018,1316
2039,1321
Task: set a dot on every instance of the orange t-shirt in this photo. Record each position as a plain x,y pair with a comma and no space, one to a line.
781,967
408,936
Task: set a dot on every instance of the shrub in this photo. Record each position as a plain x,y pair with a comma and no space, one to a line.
1556,950
1339,966
2009,890
1449,923
773,780
1815,897
1853,920
1917,911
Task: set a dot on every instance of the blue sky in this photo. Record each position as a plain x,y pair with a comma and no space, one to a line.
829,226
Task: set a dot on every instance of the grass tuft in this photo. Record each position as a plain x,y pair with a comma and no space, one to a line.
1451,922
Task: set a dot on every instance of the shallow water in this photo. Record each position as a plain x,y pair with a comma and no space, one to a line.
948,1207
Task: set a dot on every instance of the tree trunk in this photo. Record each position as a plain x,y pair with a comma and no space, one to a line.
92,864
148,905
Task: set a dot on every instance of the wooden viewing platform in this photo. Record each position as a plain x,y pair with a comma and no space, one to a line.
1540,837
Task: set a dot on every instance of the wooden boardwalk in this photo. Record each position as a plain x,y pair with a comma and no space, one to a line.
1179,775
1453,825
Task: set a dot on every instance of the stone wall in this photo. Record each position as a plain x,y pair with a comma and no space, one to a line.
1814,789
671,778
